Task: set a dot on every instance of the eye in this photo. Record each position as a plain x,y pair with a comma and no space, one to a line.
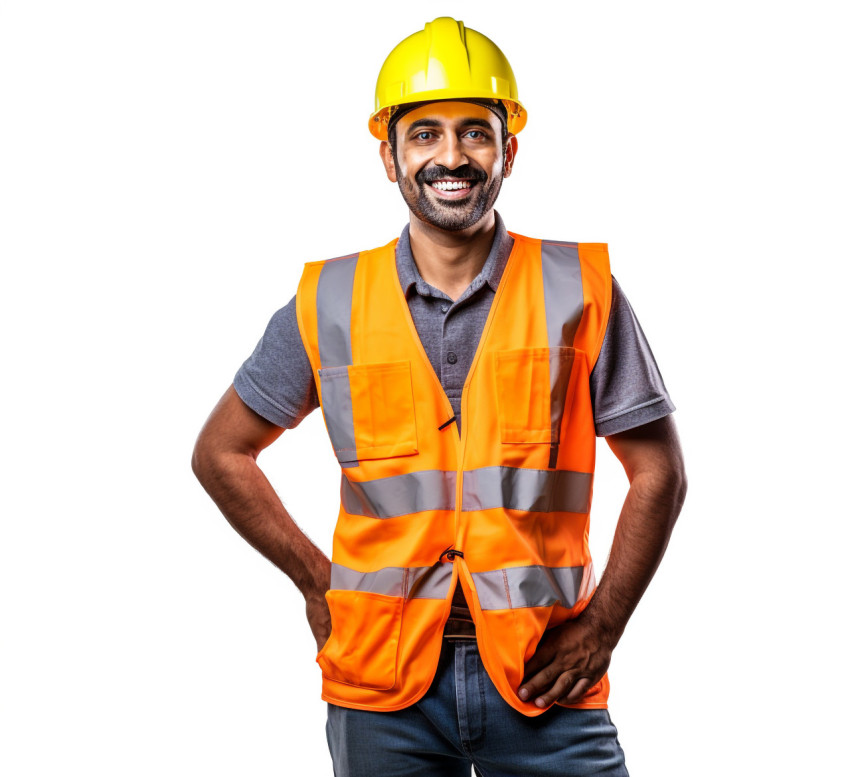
423,135
475,134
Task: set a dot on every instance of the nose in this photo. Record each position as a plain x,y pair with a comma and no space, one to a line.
450,154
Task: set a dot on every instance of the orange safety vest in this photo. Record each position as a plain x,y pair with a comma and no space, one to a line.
501,508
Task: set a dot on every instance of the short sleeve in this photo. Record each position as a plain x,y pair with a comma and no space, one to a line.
626,386
276,380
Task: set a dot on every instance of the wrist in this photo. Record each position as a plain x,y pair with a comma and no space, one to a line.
319,581
314,595
606,629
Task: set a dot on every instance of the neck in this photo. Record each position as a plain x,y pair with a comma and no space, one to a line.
450,261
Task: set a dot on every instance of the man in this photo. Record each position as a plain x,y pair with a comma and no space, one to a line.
464,373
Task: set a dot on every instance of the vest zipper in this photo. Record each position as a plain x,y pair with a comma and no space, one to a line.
464,432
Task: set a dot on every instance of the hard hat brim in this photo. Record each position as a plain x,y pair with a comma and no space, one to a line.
379,120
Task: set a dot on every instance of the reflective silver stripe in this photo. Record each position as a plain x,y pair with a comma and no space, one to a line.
333,319
499,589
560,368
511,488
339,416
429,582
410,582
534,586
564,300
562,291
401,494
533,490
333,310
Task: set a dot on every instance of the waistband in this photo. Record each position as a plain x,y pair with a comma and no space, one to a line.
459,626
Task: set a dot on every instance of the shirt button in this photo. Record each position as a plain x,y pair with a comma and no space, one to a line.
452,357
444,308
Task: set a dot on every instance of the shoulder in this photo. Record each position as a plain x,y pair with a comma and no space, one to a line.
349,258
591,257
276,380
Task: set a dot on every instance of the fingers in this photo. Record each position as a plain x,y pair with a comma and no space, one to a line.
561,686
568,661
542,658
546,687
581,687
538,684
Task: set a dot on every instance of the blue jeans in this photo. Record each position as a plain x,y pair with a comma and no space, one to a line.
462,722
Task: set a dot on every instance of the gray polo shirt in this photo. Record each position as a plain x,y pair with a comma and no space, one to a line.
626,387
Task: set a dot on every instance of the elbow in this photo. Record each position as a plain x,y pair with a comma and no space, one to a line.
213,462
196,462
662,490
202,459
675,488
680,486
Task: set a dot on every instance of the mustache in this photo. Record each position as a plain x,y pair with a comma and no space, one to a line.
438,173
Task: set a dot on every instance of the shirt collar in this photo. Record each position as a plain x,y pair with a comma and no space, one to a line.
491,272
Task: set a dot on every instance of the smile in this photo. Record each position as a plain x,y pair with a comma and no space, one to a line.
449,189
447,186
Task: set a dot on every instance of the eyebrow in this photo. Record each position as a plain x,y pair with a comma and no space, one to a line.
431,122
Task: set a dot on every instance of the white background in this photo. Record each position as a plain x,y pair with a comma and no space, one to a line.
167,168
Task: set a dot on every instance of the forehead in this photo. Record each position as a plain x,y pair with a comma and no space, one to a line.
449,112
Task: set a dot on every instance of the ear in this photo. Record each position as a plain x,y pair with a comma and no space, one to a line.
510,154
389,163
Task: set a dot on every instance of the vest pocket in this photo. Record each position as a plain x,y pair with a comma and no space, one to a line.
369,411
363,646
534,392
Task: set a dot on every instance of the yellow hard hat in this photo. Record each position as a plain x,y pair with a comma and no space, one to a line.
445,61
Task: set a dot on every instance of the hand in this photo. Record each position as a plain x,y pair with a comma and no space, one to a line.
319,618
569,660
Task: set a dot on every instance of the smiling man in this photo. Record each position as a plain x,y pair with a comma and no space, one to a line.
456,191
464,373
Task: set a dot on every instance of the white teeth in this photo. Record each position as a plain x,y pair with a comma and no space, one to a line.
447,186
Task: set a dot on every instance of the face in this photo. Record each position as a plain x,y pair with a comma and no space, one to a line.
449,162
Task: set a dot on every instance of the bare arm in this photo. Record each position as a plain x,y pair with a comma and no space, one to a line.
225,462
573,657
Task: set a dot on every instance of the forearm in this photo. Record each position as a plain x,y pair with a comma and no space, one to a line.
576,654
646,522
246,498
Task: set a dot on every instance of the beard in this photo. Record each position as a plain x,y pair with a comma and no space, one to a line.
451,215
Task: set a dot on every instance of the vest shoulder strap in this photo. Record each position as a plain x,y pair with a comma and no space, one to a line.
577,279
596,280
